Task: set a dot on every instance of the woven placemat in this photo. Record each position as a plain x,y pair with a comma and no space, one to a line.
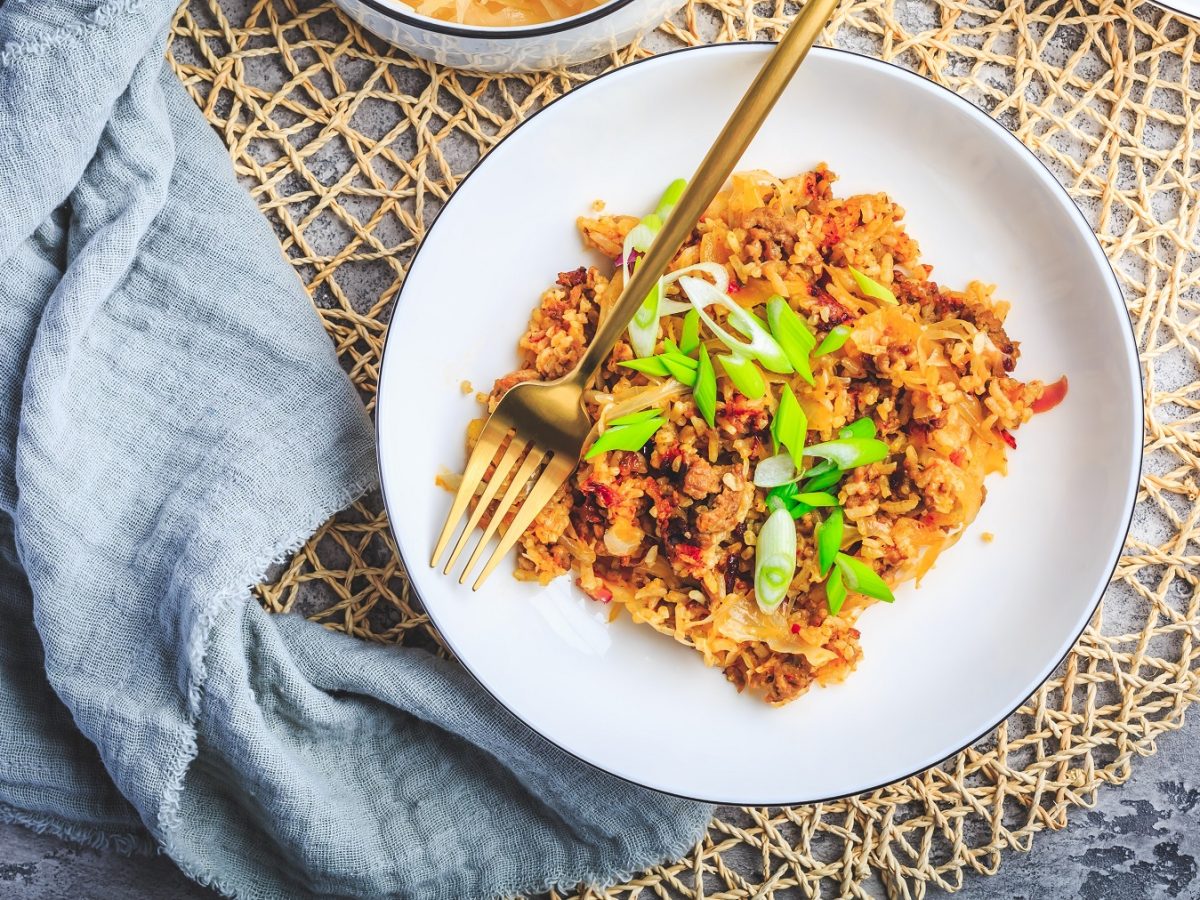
350,147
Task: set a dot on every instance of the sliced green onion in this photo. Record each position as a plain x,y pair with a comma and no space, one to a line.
775,471
838,335
824,480
744,374
829,539
623,436
793,335
689,337
779,311
860,428
653,222
643,328
670,197
789,428
862,578
633,418
835,592
821,468
774,559
704,392
669,307
715,271
750,326
651,365
761,345
816,498
785,497
774,503
873,288
640,237
785,492
849,453
679,370
673,352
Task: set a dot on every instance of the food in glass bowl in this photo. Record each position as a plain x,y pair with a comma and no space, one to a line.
509,35
502,13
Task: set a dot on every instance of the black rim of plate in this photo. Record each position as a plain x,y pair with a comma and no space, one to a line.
1192,16
484,32
1093,606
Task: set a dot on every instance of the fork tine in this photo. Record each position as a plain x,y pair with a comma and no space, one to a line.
555,473
485,448
528,467
515,447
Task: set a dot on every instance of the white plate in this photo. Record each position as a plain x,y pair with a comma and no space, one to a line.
1189,9
945,663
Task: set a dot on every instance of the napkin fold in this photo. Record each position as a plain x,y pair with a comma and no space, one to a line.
173,419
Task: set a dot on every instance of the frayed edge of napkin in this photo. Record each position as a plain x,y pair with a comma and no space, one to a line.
127,843
169,808
672,852
67,36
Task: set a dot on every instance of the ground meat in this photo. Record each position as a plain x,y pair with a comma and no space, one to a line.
723,514
830,312
503,384
789,676
860,495
768,223
621,352
785,676
701,480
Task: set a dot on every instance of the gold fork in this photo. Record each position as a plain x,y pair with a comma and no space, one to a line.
542,425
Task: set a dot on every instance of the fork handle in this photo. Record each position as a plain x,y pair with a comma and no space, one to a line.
717,166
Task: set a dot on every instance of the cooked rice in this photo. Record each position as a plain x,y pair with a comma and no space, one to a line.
668,533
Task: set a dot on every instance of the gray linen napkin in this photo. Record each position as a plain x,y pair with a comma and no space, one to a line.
172,420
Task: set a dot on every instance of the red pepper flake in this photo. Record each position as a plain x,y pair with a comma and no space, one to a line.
830,235
1051,396
602,492
663,505
835,313
573,279
671,454
958,457
1008,438
795,629
601,593
734,286
731,572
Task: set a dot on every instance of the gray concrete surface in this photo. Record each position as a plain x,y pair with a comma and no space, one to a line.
1141,842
